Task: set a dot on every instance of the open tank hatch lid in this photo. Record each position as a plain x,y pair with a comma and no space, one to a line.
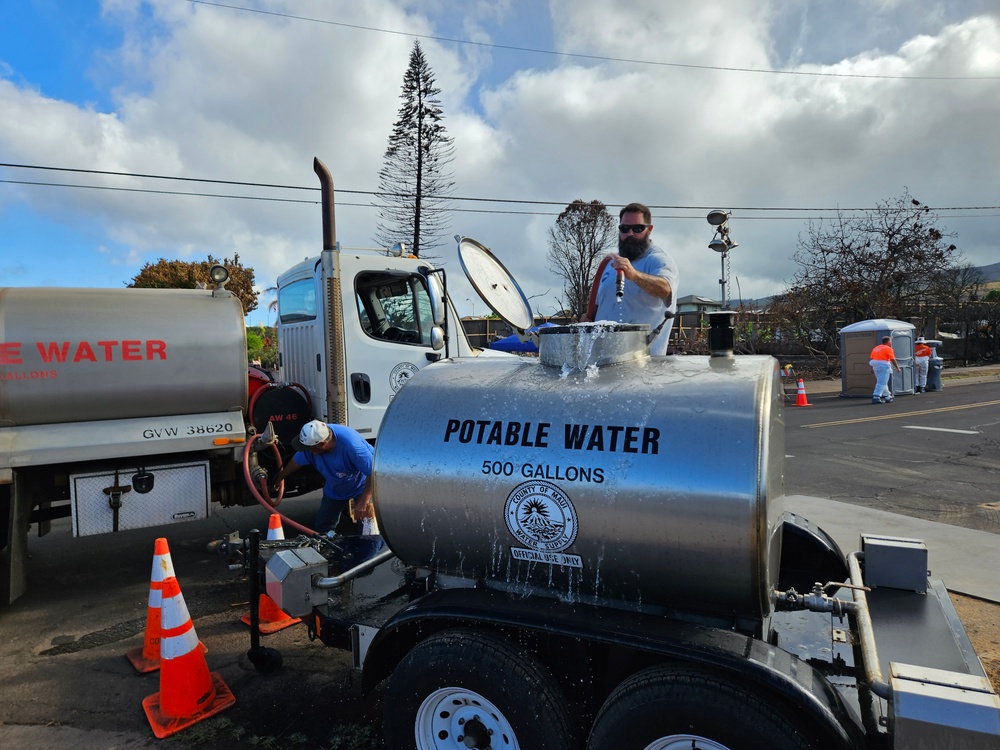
494,284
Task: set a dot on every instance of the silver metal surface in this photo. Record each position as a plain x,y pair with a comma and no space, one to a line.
933,709
895,562
180,493
78,355
288,580
42,444
494,284
335,582
361,638
652,483
584,345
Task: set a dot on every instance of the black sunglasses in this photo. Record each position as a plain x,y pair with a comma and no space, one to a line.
634,228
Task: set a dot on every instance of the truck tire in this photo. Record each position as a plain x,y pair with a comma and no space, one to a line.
670,708
458,687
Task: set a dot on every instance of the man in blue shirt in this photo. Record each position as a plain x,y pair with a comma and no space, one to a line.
650,275
344,459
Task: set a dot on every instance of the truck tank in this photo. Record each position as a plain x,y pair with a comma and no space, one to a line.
78,355
629,480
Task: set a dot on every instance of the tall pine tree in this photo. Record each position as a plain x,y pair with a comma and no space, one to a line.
413,185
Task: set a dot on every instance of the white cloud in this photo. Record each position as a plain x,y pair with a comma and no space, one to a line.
209,92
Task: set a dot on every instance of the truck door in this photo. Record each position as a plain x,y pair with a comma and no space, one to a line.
386,329
301,333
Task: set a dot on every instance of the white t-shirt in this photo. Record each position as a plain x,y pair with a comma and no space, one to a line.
637,306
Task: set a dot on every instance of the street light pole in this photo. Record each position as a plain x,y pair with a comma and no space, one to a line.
722,244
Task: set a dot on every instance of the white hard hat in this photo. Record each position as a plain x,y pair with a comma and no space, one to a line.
921,340
314,433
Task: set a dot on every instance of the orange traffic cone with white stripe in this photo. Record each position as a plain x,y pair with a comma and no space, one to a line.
274,530
147,658
800,397
271,617
188,691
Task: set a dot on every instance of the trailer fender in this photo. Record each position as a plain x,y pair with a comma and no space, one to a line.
808,555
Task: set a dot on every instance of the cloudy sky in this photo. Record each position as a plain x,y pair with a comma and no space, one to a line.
778,111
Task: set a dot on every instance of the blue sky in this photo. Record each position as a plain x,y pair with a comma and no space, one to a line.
199,90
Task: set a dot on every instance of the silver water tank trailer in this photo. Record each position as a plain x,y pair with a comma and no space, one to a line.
78,355
610,477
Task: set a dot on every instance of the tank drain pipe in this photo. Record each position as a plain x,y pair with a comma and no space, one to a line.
869,653
335,582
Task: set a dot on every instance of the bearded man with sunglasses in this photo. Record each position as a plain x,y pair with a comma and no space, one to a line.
650,276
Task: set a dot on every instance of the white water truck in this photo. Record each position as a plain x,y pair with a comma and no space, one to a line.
588,549
132,408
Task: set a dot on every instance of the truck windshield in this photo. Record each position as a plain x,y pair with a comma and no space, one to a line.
297,302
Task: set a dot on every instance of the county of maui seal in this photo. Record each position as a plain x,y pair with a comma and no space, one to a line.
400,374
541,516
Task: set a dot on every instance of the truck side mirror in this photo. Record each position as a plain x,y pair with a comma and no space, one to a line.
436,291
437,338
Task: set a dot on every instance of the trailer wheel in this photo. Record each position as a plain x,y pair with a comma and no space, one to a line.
462,690
668,708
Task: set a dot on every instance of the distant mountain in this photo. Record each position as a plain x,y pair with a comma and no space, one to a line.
991,272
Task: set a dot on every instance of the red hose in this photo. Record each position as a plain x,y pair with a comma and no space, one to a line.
592,300
271,507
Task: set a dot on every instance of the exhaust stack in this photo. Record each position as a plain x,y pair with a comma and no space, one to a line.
327,201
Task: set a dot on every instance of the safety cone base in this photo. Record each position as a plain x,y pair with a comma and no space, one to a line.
164,726
266,628
141,663
272,618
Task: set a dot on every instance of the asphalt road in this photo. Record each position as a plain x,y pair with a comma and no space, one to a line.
65,681
933,456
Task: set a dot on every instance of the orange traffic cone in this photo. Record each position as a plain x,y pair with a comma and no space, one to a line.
147,658
271,618
188,691
274,530
800,398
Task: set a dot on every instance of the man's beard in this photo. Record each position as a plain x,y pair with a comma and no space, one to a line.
633,247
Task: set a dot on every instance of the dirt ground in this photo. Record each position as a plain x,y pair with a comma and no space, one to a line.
982,622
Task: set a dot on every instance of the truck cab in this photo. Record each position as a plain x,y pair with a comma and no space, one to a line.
355,324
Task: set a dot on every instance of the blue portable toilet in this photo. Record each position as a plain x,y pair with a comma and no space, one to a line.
856,343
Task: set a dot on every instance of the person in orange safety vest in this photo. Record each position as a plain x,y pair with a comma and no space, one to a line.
921,358
882,361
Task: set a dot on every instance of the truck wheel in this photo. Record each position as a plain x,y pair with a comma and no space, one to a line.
668,708
459,690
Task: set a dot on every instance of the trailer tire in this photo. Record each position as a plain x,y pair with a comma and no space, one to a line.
461,686
668,708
